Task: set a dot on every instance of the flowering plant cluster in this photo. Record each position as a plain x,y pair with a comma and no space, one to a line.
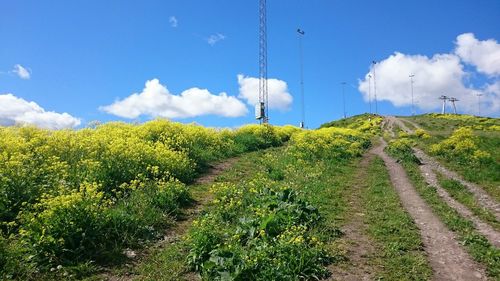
422,134
263,228
462,146
257,231
79,196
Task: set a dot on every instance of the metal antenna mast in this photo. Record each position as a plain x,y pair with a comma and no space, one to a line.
479,104
453,100
370,92
262,110
375,86
343,97
412,104
443,98
301,57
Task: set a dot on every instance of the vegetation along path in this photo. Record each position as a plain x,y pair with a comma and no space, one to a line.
481,196
360,245
178,230
448,259
489,232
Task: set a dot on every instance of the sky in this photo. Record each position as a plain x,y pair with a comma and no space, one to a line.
65,64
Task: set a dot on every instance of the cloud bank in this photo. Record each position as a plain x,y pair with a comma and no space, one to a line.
156,100
438,75
484,55
278,95
17,111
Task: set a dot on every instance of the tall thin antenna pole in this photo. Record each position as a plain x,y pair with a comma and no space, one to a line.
375,86
479,104
412,104
369,92
301,58
343,98
263,89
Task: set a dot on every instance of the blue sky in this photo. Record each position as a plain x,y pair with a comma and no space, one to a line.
81,56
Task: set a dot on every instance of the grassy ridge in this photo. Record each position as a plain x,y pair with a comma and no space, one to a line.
465,197
77,199
459,155
475,243
400,255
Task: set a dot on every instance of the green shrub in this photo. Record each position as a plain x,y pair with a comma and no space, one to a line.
402,149
258,231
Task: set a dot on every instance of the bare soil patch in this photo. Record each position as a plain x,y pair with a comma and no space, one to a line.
448,259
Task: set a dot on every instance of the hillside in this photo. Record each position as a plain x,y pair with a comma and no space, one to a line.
367,197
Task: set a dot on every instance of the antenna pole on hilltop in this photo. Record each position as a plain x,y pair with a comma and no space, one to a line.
370,92
301,34
343,98
261,110
412,104
375,86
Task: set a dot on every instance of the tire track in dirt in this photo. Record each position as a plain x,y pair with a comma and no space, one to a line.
412,123
479,194
485,229
447,258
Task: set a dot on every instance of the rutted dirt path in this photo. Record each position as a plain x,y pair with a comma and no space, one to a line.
481,196
491,234
179,229
448,259
360,245
392,120
412,123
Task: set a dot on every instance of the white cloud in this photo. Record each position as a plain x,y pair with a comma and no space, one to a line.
434,76
22,72
17,111
173,21
214,38
485,55
156,100
278,95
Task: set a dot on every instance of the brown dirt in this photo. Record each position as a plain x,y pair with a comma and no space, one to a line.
360,246
447,258
393,121
179,229
480,195
491,234
412,123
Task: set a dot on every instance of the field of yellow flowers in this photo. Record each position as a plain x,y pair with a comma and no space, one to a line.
267,228
73,197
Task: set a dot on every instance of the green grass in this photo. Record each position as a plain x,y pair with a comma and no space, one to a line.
325,184
476,244
486,175
169,263
466,198
346,122
401,255
408,124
